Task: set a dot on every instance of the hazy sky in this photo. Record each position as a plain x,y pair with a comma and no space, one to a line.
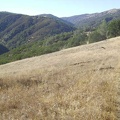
58,8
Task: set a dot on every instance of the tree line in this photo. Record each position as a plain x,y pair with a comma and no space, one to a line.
64,40
105,31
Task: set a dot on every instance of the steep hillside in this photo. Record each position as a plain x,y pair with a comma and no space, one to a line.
93,20
51,44
80,83
17,29
3,49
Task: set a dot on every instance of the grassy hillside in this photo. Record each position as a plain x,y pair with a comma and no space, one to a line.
17,29
80,83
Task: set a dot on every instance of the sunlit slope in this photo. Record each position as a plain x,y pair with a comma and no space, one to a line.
105,52
72,84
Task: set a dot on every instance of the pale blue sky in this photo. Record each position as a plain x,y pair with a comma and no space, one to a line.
60,8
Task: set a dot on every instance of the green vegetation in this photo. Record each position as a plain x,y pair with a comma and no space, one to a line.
38,35
62,41
105,30
16,29
114,28
51,44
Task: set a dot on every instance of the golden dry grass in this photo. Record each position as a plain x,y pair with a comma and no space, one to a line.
80,83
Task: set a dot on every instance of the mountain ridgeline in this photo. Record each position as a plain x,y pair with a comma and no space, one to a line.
93,20
17,29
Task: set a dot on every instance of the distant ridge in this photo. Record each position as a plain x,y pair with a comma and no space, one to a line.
93,19
57,18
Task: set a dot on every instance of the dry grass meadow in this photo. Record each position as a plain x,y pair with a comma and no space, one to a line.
80,83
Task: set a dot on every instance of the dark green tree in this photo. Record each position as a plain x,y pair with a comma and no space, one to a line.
103,29
114,28
95,37
77,39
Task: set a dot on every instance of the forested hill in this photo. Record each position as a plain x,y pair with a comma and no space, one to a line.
18,29
93,20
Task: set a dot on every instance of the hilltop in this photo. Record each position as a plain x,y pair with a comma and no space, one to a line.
18,29
76,83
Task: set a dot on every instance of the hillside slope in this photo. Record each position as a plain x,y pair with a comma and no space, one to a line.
73,84
3,49
17,29
93,20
